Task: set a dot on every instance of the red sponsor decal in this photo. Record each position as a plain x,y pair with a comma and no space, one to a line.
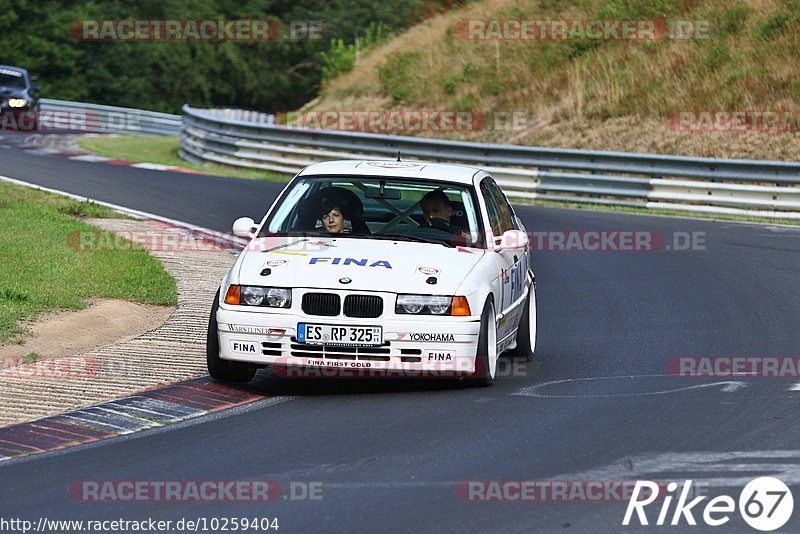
428,271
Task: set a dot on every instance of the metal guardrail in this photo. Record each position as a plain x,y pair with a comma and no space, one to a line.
723,186
80,116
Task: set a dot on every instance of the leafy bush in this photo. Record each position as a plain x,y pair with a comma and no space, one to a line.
341,57
451,84
734,18
395,75
768,29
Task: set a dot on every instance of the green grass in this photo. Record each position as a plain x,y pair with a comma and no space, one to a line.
42,272
31,358
87,208
164,150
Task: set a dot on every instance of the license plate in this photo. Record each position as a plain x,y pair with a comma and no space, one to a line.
326,334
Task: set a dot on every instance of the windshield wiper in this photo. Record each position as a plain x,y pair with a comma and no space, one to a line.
413,239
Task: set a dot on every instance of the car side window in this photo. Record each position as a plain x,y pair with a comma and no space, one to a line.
491,207
508,220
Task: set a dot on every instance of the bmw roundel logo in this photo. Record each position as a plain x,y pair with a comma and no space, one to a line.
345,280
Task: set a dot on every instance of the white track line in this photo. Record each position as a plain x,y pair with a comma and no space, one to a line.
90,157
152,166
730,386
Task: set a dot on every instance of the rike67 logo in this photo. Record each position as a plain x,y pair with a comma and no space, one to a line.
765,504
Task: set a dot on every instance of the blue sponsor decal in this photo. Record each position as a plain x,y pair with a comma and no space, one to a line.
363,262
439,355
242,346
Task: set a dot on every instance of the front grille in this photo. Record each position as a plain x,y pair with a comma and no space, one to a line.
270,349
365,306
302,350
407,358
325,304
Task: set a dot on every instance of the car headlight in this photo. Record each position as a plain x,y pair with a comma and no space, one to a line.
272,297
17,102
431,305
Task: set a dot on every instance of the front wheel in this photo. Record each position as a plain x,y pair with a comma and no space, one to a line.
526,333
218,368
486,358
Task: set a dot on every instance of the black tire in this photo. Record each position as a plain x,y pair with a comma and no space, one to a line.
525,348
482,376
218,368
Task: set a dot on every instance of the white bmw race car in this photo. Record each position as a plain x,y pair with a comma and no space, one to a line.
380,267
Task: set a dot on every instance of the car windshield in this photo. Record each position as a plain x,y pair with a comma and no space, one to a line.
12,79
379,208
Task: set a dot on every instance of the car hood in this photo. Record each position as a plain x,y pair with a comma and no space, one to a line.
371,265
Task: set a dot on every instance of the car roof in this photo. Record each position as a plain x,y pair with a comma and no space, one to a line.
10,67
421,170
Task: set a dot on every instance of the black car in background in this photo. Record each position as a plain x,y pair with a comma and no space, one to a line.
19,100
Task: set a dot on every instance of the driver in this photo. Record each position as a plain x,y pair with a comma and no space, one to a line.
437,210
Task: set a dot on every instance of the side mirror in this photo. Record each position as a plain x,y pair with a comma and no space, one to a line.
244,227
36,88
34,78
513,239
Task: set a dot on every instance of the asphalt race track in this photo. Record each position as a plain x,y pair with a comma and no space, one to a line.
597,403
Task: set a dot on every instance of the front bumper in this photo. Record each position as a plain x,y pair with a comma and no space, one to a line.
422,344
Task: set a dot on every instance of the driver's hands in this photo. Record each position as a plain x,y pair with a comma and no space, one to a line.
439,223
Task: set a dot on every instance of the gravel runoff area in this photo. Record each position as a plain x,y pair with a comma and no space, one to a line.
173,352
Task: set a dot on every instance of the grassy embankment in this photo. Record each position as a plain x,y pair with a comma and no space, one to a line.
594,94
43,270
